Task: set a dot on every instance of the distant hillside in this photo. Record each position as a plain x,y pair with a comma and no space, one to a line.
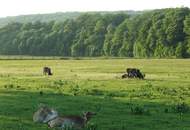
60,16
39,17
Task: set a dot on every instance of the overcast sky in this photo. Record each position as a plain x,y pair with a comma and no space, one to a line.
21,7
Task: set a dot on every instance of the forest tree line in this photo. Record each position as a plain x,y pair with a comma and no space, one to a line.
157,33
59,16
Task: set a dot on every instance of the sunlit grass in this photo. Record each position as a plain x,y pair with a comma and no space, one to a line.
95,85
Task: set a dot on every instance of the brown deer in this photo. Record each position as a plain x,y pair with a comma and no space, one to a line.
76,122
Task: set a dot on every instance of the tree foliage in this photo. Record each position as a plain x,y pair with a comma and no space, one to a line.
157,33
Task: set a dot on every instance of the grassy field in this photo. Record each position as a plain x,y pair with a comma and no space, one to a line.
160,102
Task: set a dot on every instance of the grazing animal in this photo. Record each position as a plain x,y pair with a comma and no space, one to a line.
47,71
44,114
76,122
133,73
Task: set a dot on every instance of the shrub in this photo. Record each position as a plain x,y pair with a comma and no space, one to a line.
75,89
116,94
95,92
181,108
60,83
166,110
139,110
9,86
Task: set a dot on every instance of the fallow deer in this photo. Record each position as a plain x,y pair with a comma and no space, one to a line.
44,114
76,122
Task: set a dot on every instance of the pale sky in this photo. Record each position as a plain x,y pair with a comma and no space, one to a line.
23,7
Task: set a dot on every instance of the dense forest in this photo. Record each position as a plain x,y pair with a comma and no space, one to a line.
157,33
59,16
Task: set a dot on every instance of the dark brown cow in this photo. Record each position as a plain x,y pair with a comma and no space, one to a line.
47,71
133,73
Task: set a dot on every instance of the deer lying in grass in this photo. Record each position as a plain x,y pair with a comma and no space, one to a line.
44,114
76,122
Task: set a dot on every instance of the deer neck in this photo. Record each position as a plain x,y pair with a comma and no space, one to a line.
52,118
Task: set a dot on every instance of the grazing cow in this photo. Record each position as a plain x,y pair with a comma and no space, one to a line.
76,122
47,71
44,114
133,73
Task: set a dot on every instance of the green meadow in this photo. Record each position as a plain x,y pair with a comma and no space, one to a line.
159,102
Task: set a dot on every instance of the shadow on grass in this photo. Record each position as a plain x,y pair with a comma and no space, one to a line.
17,108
